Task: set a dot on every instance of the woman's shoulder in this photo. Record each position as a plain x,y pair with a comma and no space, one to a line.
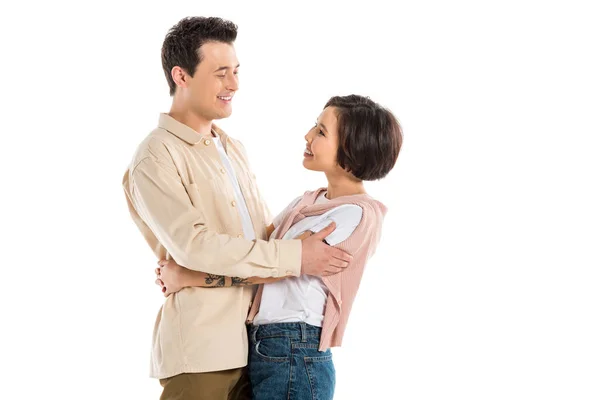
372,213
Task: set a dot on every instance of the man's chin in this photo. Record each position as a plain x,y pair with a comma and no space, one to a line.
223,114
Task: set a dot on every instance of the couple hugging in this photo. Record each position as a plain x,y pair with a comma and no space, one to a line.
252,304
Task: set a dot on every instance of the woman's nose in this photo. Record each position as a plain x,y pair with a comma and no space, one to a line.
308,136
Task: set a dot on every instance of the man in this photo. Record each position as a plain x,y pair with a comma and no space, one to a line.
191,193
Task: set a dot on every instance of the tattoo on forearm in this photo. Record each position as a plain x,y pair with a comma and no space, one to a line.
240,282
221,281
210,279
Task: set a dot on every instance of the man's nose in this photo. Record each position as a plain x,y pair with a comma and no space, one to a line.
232,83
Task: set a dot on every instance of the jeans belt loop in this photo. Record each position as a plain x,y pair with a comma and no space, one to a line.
303,329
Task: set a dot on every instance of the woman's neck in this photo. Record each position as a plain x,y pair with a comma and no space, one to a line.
343,186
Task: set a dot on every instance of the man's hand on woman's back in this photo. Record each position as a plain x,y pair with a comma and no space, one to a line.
320,259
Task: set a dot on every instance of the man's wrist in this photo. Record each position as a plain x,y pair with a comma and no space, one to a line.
290,257
184,278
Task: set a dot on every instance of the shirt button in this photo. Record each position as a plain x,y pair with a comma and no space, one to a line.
289,272
207,142
222,170
274,273
233,203
240,235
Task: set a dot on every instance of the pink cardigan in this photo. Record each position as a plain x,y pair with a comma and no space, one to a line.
344,285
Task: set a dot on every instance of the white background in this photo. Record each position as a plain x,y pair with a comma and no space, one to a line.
486,282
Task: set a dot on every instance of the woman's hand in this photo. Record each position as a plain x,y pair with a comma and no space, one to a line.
170,276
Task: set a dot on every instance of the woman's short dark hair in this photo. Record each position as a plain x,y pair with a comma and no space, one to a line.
181,46
370,136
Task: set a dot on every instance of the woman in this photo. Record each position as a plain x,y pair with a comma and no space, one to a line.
295,321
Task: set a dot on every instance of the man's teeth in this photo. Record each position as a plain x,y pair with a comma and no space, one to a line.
308,152
225,98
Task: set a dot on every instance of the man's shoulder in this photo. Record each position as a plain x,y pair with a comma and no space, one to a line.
159,139
158,145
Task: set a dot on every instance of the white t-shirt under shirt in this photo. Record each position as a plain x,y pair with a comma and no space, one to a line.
303,298
239,198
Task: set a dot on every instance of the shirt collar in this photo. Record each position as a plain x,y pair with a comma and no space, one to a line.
186,133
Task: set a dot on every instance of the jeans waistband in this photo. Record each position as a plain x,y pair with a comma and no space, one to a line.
300,330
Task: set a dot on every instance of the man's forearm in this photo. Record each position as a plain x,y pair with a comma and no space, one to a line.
191,278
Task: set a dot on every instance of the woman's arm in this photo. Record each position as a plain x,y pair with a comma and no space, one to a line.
172,277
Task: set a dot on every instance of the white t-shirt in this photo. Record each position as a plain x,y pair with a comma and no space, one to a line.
303,298
242,208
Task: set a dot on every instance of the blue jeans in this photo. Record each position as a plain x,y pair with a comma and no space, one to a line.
285,363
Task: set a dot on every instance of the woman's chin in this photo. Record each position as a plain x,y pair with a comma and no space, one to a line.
309,165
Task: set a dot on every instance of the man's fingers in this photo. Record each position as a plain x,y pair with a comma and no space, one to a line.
159,282
323,233
332,271
338,263
336,268
157,271
162,263
340,255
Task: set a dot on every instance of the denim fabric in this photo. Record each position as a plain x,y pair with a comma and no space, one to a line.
285,363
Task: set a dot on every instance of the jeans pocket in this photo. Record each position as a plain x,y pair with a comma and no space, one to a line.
275,349
321,374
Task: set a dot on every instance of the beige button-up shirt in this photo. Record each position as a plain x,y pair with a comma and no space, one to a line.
182,201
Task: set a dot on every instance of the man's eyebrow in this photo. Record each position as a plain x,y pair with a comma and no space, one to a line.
225,68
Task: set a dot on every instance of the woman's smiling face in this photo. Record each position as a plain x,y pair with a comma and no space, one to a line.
322,143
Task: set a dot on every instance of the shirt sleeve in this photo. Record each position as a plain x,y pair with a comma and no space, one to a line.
346,218
279,218
161,200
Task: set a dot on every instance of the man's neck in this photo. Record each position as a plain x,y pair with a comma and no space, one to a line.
197,123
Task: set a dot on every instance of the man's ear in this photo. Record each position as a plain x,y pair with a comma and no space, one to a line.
179,76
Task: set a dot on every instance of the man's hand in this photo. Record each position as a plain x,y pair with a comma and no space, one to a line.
169,276
320,259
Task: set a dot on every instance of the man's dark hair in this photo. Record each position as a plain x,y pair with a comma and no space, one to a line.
182,44
369,135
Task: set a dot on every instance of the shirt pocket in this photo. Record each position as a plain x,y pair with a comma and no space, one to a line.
193,194
204,195
209,197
